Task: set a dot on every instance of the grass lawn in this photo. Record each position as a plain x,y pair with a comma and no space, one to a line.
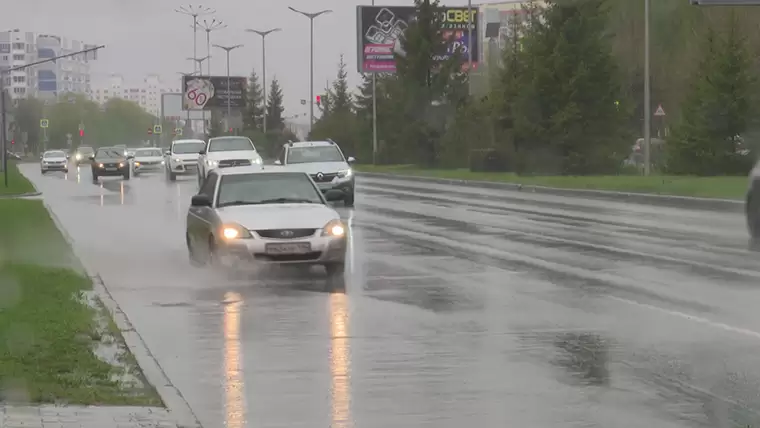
17,183
57,343
705,187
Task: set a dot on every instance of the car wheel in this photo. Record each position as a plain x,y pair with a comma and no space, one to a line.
66,170
753,215
349,200
95,178
336,278
172,176
126,175
42,171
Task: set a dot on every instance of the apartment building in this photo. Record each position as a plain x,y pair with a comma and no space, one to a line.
146,93
48,80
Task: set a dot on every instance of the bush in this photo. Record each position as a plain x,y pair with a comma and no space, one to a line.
489,160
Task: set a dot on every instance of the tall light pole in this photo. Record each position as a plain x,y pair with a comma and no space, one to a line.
199,70
195,12
374,114
311,17
264,35
647,95
208,27
228,49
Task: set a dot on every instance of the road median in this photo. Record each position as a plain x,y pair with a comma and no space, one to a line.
58,343
714,193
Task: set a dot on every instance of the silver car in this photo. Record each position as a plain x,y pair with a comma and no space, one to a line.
148,159
54,160
243,216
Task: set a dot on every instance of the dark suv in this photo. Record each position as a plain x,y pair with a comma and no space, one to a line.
110,162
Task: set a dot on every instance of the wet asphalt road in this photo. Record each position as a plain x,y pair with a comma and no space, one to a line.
465,307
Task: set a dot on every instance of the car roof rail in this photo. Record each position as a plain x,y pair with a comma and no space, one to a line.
330,140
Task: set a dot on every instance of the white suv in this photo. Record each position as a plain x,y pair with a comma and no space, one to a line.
324,162
182,157
223,152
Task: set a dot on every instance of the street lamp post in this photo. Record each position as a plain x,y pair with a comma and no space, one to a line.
195,12
264,35
311,17
228,49
647,95
208,27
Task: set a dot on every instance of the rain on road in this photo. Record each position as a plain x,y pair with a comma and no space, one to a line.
465,307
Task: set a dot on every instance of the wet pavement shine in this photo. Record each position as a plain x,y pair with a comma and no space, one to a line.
464,307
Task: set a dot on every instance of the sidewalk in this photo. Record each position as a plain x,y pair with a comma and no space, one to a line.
51,416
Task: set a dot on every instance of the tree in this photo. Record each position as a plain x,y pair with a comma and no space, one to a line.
275,108
340,98
27,115
717,111
254,107
566,119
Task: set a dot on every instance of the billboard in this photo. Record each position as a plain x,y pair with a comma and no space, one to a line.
211,92
379,29
171,108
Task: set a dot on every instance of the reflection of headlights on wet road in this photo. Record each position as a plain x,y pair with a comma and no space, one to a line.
235,231
334,228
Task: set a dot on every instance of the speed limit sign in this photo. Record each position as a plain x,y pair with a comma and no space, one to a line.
198,93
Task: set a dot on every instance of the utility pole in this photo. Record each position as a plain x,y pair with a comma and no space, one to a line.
311,17
228,49
264,35
374,114
647,95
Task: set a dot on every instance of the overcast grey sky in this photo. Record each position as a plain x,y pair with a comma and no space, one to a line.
147,36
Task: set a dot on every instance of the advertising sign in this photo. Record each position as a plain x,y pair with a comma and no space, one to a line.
207,92
379,29
171,108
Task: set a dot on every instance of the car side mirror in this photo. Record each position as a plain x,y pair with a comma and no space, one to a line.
333,195
202,152
277,162
351,159
130,156
200,201
167,153
92,158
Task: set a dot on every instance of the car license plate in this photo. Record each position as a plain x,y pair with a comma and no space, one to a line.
289,248
111,169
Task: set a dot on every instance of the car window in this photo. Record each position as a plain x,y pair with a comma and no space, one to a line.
148,153
266,188
314,154
208,185
55,155
186,148
226,144
109,153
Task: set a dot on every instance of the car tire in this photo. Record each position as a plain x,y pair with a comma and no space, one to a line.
753,215
42,171
126,175
349,199
66,171
95,178
336,277
172,176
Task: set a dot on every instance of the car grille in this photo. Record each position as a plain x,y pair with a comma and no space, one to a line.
325,178
149,162
234,162
286,233
110,165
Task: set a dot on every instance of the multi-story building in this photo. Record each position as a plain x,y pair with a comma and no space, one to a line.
48,80
147,93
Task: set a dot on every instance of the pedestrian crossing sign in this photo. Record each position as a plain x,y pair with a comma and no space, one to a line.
157,129
44,123
177,131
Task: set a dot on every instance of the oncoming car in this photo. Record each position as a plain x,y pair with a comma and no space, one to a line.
182,158
324,162
110,162
148,159
83,155
54,160
225,152
247,215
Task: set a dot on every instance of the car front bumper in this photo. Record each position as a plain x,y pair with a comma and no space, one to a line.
105,172
253,251
345,185
55,167
142,167
184,168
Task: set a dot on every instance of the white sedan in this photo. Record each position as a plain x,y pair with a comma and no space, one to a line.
54,160
148,159
250,215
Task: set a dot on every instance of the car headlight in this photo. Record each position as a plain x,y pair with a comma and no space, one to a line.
177,160
345,173
212,163
334,228
137,163
78,156
100,165
163,162
121,164
256,161
235,231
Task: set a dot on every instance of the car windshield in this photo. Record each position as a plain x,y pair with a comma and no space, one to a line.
267,188
56,154
185,148
86,150
226,144
110,153
314,154
144,153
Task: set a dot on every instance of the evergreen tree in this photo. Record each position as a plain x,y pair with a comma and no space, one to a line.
717,111
274,107
566,108
254,104
340,99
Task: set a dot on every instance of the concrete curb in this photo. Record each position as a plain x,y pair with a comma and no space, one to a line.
21,195
175,402
728,205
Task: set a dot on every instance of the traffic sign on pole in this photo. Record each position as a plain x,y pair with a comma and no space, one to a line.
157,129
81,126
44,123
177,131
660,111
